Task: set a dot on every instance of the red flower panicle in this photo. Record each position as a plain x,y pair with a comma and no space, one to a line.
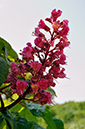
44,61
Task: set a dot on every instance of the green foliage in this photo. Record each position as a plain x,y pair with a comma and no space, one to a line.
26,116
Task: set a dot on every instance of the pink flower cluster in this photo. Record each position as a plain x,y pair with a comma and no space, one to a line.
46,54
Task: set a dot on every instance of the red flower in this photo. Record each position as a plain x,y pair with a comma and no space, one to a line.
38,42
50,82
14,68
62,74
43,97
21,85
38,33
35,87
55,14
27,52
54,71
43,84
65,28
56,26
62,59
35,65
42,25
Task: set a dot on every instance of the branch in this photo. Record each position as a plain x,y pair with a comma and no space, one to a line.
28,91
4,87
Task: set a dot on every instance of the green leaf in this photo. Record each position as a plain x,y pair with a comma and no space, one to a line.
35,125
49,120
59,123
36,109
28,115
10,51
3,70
21,123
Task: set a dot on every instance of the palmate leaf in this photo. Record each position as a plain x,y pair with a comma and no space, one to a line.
3,70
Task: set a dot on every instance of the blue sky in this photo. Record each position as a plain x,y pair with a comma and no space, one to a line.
18,18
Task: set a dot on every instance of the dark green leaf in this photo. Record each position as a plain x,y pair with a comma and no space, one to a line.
21,123
58,123
36,109
1,118
9,119
3,70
